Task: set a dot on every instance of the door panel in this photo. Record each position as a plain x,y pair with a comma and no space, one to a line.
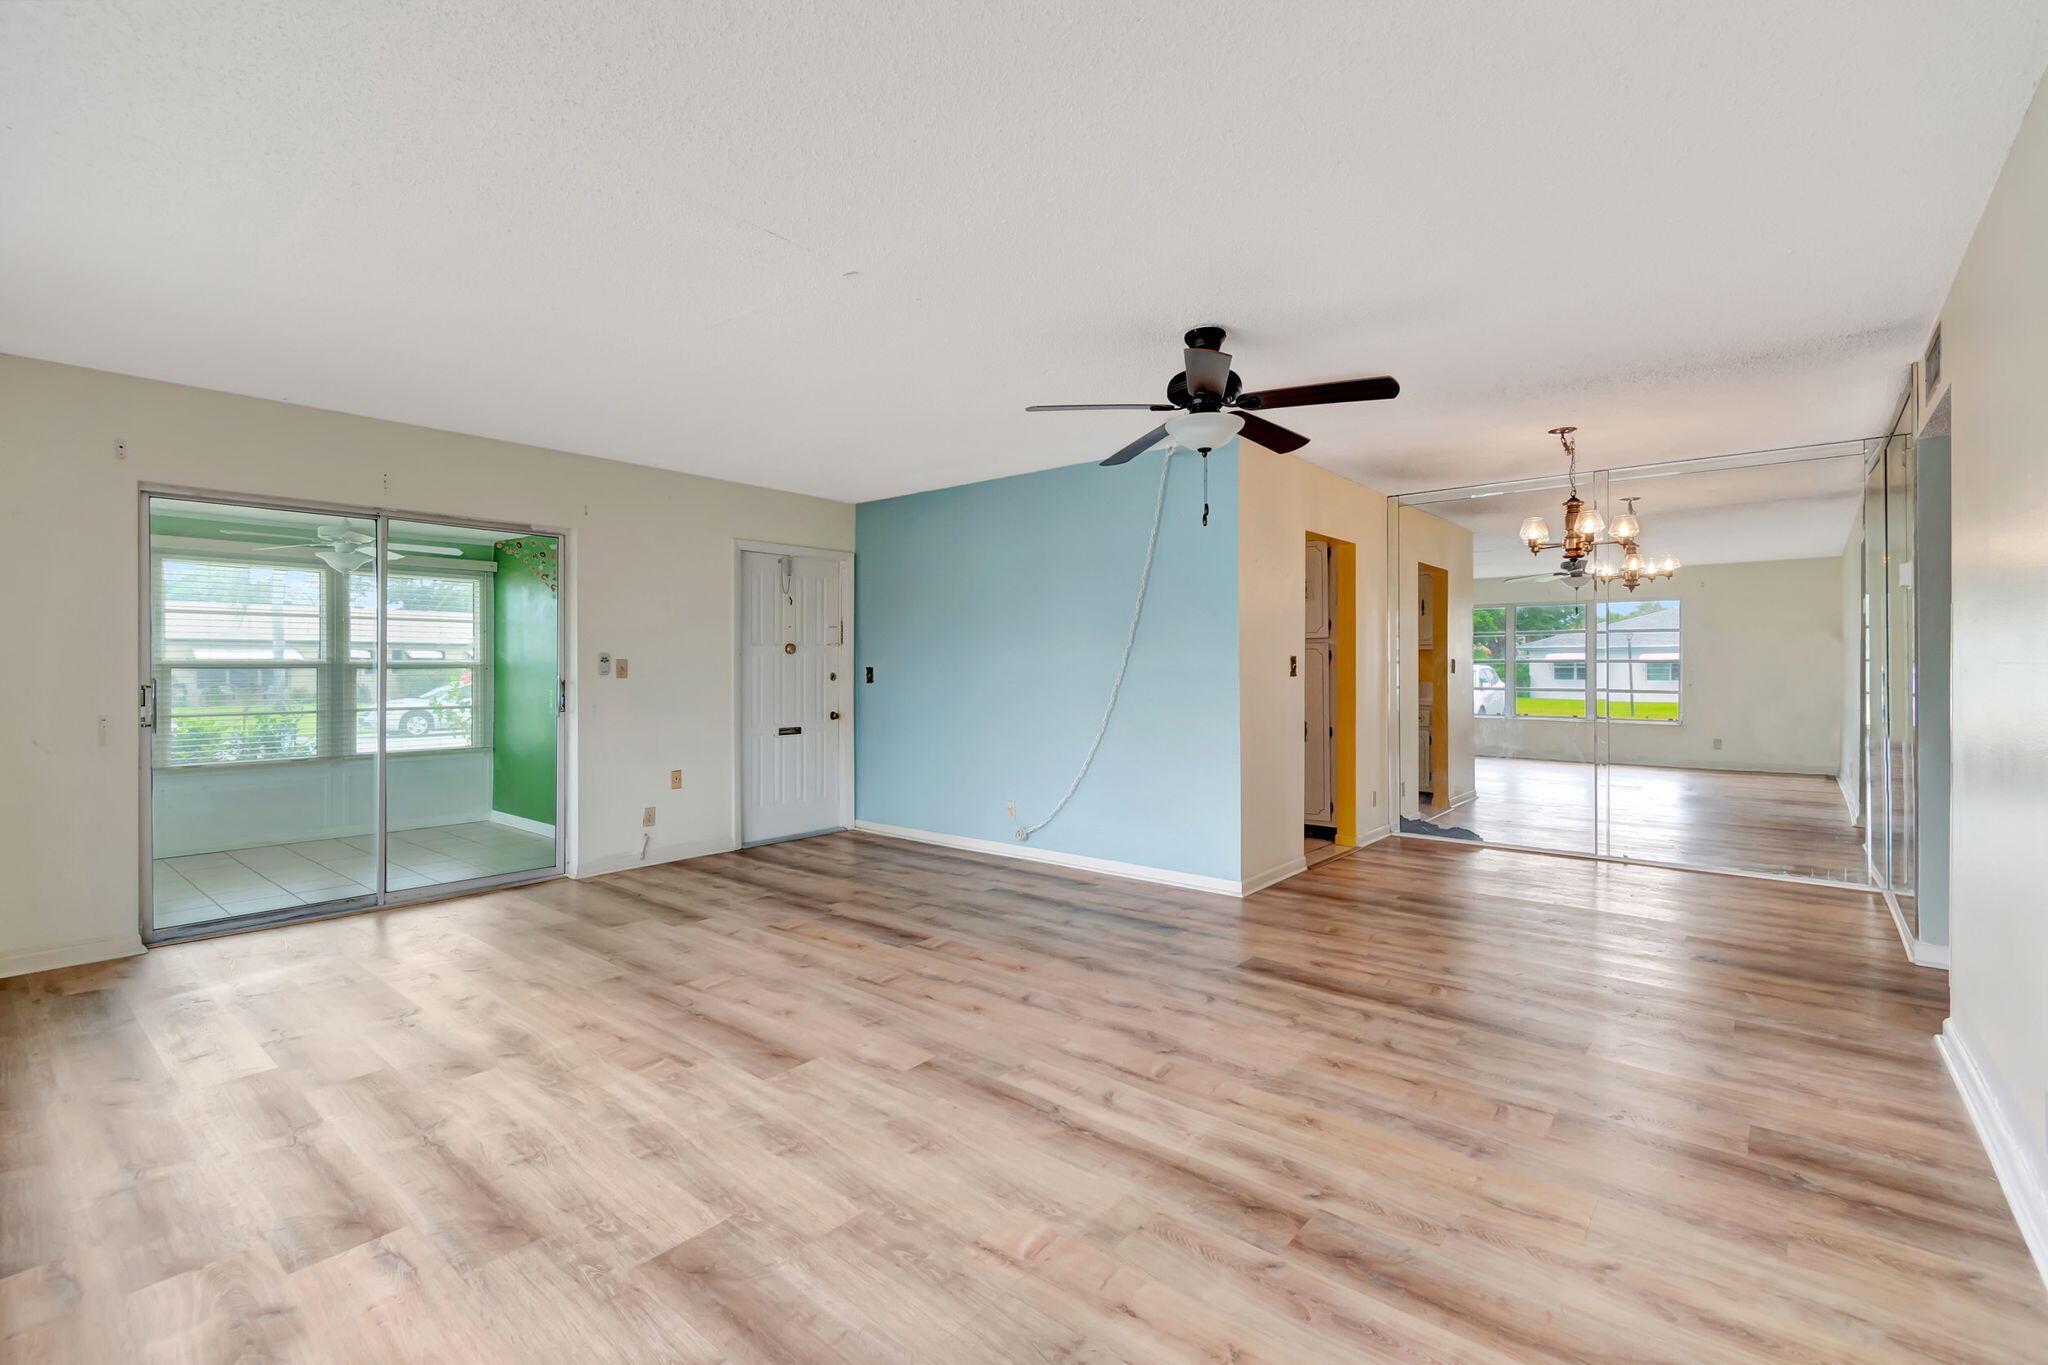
792,642
1319,766
471,651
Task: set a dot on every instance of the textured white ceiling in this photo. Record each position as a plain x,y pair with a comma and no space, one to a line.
836,248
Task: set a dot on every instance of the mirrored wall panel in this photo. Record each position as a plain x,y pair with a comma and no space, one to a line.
1664,663
1734,708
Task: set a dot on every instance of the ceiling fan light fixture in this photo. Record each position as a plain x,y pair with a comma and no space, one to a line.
343,561
1203,431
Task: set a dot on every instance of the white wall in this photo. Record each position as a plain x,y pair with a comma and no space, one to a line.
1281,500
1427,539
1762,672
650,572
1994,330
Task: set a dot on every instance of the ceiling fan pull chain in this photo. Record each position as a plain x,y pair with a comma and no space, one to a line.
1124,665
1205,487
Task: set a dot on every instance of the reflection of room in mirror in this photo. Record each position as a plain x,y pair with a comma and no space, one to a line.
1713,717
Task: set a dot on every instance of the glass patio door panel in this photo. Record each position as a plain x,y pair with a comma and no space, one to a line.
469,708
342,710
260,803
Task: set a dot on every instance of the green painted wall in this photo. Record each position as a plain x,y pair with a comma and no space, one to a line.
523,697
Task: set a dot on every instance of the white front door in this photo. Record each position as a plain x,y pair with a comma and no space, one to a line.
793,661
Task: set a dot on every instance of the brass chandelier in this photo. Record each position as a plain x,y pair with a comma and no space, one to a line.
1583,535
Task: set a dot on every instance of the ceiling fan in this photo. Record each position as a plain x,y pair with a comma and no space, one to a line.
1207,386
341,548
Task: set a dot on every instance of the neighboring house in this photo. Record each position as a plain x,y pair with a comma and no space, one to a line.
1637,656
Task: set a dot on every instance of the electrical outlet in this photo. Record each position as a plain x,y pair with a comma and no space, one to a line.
675,779
1717,744
622,666
1010,809
1375,799
647,815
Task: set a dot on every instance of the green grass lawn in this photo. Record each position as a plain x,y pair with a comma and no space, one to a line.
1569,706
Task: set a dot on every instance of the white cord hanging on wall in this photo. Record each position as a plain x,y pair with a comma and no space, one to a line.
1130,636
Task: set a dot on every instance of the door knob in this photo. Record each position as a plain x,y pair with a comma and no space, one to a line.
789,648
835,715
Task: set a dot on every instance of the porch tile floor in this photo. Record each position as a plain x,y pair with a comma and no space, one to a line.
199,887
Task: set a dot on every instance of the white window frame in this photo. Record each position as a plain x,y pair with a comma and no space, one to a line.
337,671
1590,664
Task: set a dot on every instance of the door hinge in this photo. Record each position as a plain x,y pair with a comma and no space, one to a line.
561,696
146,705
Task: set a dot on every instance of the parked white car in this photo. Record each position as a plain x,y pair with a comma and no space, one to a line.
1489,693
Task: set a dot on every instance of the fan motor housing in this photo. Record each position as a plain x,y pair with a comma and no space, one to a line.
1178,395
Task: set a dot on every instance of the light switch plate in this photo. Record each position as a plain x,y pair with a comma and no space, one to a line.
622,666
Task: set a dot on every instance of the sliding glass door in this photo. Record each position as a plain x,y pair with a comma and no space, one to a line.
342,710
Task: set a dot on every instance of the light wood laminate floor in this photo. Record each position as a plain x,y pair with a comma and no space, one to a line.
850,1099
1787,824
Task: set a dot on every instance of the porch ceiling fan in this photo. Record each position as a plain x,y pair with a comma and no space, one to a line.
1207,385
343,548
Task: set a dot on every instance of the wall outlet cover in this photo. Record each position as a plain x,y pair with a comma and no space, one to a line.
647,815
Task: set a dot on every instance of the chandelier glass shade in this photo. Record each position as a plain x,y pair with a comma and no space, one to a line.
1586,532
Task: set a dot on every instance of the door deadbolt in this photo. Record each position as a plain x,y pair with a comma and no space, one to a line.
789,648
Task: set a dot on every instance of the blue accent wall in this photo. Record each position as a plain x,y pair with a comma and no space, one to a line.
993,615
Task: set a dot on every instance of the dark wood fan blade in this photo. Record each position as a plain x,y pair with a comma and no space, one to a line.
1271,435
1208,371
1099,407
1137,447
1337,391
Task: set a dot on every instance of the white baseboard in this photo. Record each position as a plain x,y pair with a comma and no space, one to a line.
75,954
1919,951
1136,872
606,863
1373,836
1290,867
543,829
2021,1166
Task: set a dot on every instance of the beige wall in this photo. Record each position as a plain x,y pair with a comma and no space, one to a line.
1994,330
1426,539
1761,672
1281,500
650,571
